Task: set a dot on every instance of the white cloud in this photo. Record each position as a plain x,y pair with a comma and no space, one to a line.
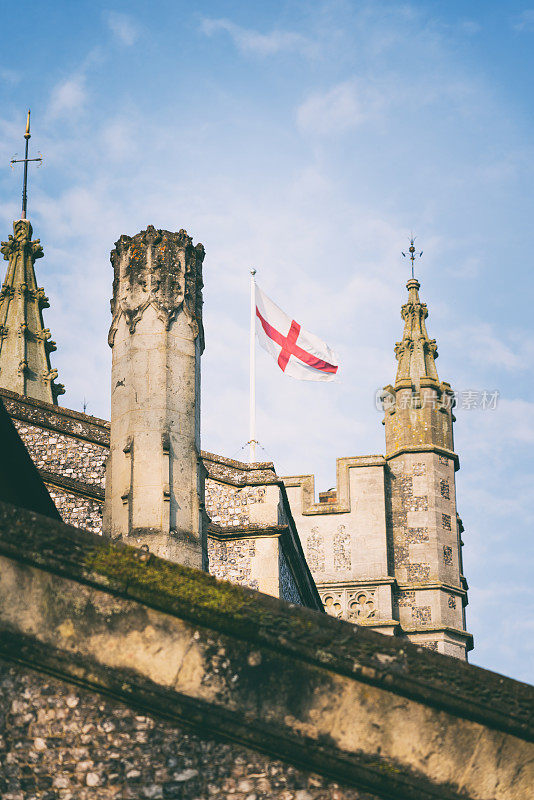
340,109
524,21
262,44
123,27
67,97
9,77
470,27
486,347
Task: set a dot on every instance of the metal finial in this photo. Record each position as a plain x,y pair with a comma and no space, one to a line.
25,161
413,254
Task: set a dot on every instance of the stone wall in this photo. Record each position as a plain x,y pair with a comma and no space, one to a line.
60,742
232,559
230,505
78,511
64,454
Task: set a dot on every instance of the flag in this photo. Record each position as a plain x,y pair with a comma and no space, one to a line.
298,352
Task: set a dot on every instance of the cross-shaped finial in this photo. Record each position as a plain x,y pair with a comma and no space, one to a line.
25,160
413,255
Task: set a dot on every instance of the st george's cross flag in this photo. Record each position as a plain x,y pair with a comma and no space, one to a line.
298,352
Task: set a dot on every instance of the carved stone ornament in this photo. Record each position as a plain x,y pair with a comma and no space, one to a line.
21,242
161,269
332,602
361,605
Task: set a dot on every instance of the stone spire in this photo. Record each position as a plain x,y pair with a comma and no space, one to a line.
419,406
416,353
25,344
155,477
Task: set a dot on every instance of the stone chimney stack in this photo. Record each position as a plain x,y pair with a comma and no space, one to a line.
155,478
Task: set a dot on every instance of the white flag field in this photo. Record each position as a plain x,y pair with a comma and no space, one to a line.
298,352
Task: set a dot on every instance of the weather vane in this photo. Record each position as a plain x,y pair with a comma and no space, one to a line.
413,255
25,161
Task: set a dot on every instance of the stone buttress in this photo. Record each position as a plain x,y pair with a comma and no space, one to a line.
25,344
423,528
155,477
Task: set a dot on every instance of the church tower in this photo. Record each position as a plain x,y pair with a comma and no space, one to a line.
25,344
424,530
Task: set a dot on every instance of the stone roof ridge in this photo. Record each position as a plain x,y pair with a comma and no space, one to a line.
416,353
25,343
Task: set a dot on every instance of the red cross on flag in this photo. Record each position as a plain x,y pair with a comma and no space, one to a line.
298,352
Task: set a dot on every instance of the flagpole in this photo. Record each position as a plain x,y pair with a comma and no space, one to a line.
252,411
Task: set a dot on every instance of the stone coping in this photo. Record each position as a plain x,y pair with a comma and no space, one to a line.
241,465
369,710
52,417
88,490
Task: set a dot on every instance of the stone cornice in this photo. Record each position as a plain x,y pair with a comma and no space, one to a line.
458,632
360,582
230,532
420,587
425,448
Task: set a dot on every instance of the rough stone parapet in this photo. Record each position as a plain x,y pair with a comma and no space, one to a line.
235,664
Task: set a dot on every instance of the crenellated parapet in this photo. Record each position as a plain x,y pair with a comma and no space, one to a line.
25,344
160,269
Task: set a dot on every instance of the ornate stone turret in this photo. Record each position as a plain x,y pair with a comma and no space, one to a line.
155,479
423,526
418,407
25,344
416,353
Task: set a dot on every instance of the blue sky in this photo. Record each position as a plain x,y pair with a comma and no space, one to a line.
306,139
